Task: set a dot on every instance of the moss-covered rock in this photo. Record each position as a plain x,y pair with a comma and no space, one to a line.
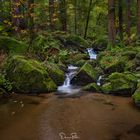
136,96
73,58
137,59
92,87
12,46
87,74
131,54
55,73
80,63
111,64
120,84
28,76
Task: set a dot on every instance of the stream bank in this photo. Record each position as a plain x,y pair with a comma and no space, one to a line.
92,116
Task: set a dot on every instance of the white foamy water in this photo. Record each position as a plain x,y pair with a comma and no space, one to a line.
92,53
67,87
99,81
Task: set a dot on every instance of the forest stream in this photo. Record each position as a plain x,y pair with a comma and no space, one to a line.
89,117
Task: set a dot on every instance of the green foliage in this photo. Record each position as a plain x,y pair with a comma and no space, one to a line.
12,46
28,76
5,83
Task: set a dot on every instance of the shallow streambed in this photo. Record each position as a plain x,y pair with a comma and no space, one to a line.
89,117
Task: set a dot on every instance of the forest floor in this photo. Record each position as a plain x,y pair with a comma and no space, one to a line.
90,117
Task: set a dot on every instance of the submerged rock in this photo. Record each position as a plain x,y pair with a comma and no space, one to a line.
28,76
87,74
120,84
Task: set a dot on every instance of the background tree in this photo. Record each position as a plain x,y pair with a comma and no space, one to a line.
111,20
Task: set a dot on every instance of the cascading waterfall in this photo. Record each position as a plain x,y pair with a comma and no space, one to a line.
67,87
99,81
92,53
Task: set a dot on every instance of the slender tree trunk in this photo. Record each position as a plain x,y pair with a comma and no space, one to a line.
120,15
31,20
88,16
128,17
138,18
63,14
75,18
51,14
111,20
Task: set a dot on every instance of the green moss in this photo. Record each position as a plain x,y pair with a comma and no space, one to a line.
55,73
87,74
12,46
93,87
88,69
106,88
28,76
136,96
77,39
112,64
120,83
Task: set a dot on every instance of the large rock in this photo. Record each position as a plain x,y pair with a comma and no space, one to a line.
120,84
87,74
92,87
111,64
28,76
12,46
136,96
55,73
137,59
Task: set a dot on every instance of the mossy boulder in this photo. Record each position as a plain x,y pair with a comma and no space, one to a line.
87,74
12,46
75,42
80,63
28,76
137,59
73,58
92,87
120,84
130,54
111,64
55,73
136,96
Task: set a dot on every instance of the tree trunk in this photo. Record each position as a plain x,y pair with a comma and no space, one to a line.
15,15
120,15
111,24
31,20
63,14
88,16
128,17
51,14
75,18
138,18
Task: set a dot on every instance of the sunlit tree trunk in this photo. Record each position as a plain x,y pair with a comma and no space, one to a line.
88,17
138,18
111,20
51,14
63,14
